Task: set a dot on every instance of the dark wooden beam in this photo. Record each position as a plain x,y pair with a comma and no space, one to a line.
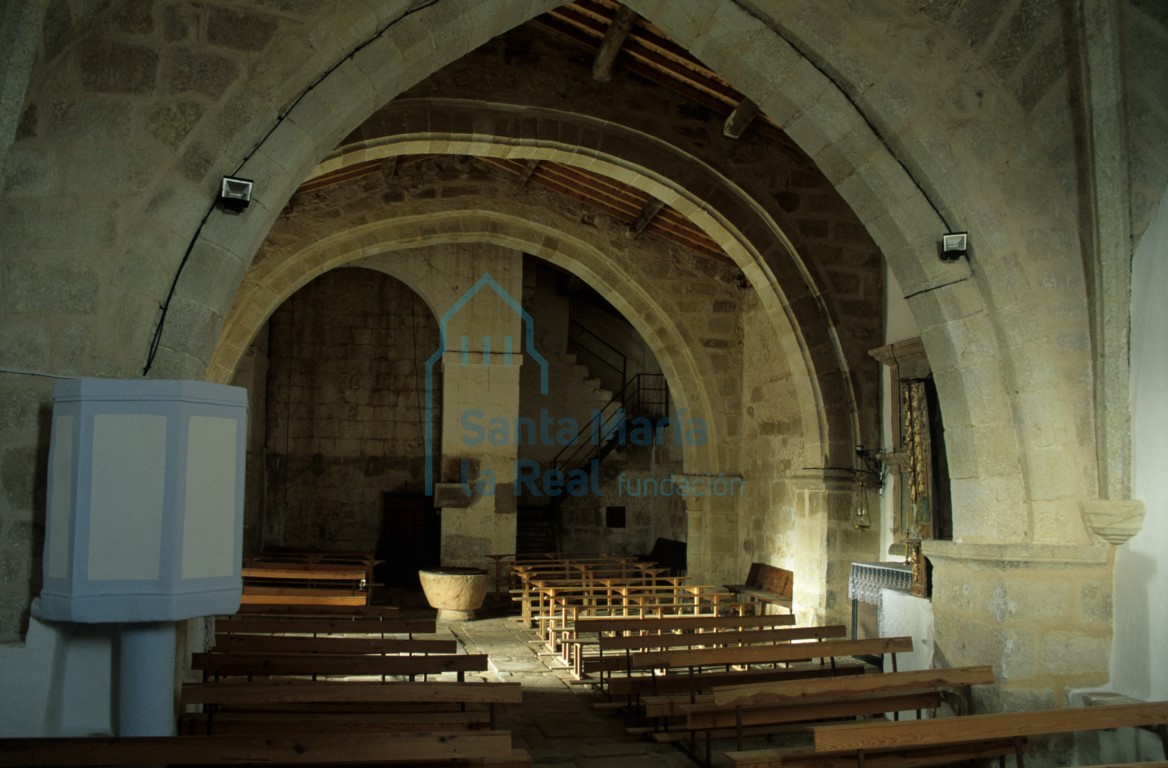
742,116
611,45
528,169
389,166
651,209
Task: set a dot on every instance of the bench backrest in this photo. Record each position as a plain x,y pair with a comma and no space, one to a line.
771,578
362,625
301,748
704,716
948,730
680,623
357,692
321,664
330,644
306,611
637,685
765,654
769,693
729,637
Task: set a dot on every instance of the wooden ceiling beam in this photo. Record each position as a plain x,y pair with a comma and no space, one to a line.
651,209
528,169
614,40
740,119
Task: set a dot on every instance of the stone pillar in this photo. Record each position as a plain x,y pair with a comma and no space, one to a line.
1040,614
478,397
484,339
711,507
826,545
696,541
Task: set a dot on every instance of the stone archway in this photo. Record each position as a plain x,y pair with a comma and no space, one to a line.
692,375
826,122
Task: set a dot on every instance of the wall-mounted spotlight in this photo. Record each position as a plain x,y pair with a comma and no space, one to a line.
234,194
954,245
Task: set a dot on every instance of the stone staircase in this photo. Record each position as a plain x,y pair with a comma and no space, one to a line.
537,523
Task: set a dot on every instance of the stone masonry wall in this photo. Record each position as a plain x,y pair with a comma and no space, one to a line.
345,408
1040,615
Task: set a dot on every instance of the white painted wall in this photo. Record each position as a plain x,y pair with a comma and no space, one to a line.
61,676
1139,659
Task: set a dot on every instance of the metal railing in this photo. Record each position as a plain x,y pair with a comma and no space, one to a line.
645,396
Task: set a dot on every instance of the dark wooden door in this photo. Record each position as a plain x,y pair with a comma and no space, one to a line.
410,538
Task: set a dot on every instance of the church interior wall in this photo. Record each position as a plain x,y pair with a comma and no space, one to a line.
345,408
1139,665
1024,584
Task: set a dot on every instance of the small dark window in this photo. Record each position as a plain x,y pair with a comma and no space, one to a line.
614,517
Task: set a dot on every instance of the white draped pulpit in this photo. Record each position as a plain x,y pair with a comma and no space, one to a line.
144,522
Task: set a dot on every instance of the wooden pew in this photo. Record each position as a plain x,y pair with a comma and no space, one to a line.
329,644
342,598
288,704
218,665
767,585
585,632
305,611
769,654
358,625
364,558
738,696
633,685
925,742
304,583
557,604
642,686
238,694
491,748
768,705
569,573
623,649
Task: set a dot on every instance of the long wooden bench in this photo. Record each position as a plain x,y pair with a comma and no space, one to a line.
639,687
315,610
330,644
364,558
304,583
484,747
633,603
432,722
623,649
219,665
529,597
695,659
633,685
301,595
949,739
358,625
585,632
553,602
267,703
728,711
507,566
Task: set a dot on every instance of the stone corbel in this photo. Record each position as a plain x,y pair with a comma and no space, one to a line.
1114,521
